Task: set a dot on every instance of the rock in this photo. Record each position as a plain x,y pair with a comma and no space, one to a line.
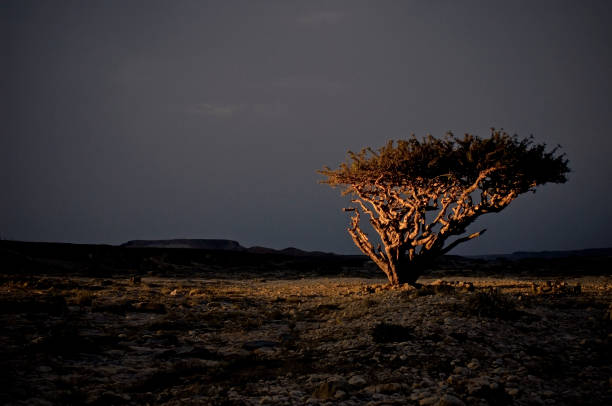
450,400
296,394
547,393
256,344
476,385
326,390
111,398
357,380
608,313
387,333
149,307
474,364
455,379
420,394
38,402
340,394
461,371
383,388
265,351
429,401
512,391
135,280
338,380
426,382
466,286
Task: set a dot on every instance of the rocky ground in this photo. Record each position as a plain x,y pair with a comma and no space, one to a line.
318,340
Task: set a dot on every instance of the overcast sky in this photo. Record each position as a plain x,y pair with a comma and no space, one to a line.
190,119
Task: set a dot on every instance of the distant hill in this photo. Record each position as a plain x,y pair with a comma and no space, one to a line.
188,257
205,244
296,252
219,245
515,256
231,245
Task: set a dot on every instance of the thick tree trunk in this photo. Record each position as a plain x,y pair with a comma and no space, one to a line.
403,271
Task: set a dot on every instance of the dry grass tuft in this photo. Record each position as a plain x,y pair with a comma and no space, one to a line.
391,333
492,304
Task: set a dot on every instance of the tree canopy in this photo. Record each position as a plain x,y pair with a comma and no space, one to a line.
419,192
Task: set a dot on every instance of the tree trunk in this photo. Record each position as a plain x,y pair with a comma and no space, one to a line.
403,270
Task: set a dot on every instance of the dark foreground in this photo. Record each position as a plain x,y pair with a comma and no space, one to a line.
217,339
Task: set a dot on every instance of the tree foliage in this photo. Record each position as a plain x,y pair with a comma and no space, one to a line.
419,192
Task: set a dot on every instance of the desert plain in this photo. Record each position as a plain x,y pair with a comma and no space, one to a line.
101,326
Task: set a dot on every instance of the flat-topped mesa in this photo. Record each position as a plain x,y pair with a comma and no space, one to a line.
205,244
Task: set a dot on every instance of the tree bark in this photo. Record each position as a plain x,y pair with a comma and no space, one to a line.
403,270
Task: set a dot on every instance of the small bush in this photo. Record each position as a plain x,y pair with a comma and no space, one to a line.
53,304
492,304
391,333
368,303
425,290
83,298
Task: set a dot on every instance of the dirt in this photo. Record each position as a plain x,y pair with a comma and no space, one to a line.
316,340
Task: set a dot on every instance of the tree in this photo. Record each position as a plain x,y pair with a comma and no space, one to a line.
419,193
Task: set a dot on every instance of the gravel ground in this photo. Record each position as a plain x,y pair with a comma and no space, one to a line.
328,341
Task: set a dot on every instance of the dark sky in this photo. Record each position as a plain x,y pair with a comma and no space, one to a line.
177,119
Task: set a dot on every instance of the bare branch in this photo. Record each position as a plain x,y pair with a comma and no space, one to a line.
461,241
397,186
364,208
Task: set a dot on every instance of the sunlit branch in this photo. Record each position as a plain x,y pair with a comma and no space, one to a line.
399,187
462,240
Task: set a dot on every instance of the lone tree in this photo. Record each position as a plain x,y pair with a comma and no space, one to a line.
419,193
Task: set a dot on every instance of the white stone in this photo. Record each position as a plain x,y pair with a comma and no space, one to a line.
357,380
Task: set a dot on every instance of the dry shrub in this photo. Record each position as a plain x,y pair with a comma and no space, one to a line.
492,304
275,314
433,289
391,333
368,303
53,304
326,308
83,298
